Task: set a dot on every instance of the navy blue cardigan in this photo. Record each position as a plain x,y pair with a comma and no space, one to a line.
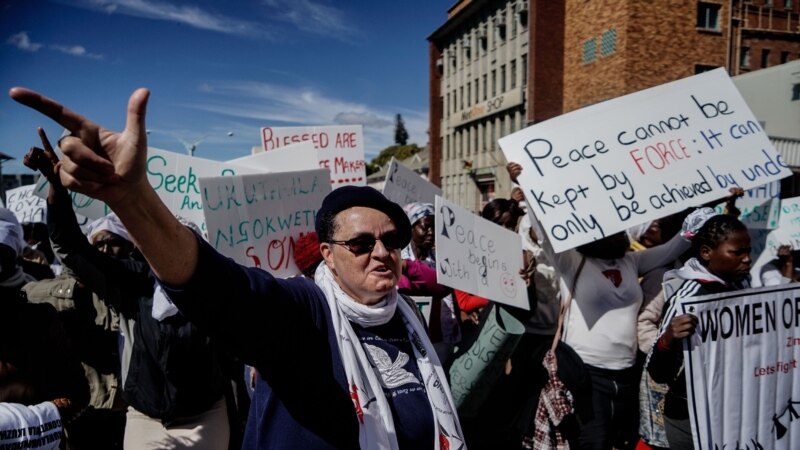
283,328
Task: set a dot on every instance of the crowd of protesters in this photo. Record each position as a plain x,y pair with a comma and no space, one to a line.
139,335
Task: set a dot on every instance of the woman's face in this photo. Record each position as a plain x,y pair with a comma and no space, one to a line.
730,260
422,233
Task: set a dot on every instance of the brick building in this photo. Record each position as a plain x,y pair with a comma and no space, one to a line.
499,65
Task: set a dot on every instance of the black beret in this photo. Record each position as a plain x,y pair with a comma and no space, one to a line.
347,197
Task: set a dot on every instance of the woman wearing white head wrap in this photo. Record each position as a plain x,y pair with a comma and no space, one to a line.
11,246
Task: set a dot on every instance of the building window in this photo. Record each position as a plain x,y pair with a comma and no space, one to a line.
494,82
513,73
490,144
708,16
608,42
589,51
784,57
796,92
461,98
485,95
765,58
744,57
474,130
502,78
768,3
787,4
700,68
524,80
469,94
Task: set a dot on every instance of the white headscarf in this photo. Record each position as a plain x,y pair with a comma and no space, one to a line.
109,223
11,231
11,235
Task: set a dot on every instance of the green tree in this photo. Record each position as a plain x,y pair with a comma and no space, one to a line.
399,152
400,133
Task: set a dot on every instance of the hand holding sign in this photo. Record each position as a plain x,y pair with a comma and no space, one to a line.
97,161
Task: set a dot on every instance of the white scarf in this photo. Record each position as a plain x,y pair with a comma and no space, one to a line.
376,429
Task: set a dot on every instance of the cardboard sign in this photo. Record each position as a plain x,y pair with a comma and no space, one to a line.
174,177
255,219
478,256
292,158
26,206
760,206
29,207
341,149
602,169
742,370
404,186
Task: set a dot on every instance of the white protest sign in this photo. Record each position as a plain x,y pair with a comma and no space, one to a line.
787,233
760,207
26,206
292,158
742,374
604,168
477,256
173,176
341,149
404,186
255,219
29,207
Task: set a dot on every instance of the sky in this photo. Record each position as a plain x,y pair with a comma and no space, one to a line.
217,68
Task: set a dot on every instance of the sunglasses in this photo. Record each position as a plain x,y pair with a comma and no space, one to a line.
364,243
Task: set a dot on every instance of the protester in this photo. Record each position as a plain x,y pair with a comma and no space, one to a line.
602,326
309,341
41,381
503,419
720,263
170,372
781,270
444,329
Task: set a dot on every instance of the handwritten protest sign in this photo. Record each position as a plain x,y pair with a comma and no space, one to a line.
28,207
292,158
25,205
602,169
255,219
404,186
341,149
474,372
478,256
742,373
760,207
175,179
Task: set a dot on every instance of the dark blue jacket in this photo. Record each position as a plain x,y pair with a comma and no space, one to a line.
283,328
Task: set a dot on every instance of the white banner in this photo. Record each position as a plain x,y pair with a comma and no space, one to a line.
174,177
742,374
292,158
477,256
255,219
404,186
604,168
341,149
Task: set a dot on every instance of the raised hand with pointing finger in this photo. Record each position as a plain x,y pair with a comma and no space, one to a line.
98,162
111,166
